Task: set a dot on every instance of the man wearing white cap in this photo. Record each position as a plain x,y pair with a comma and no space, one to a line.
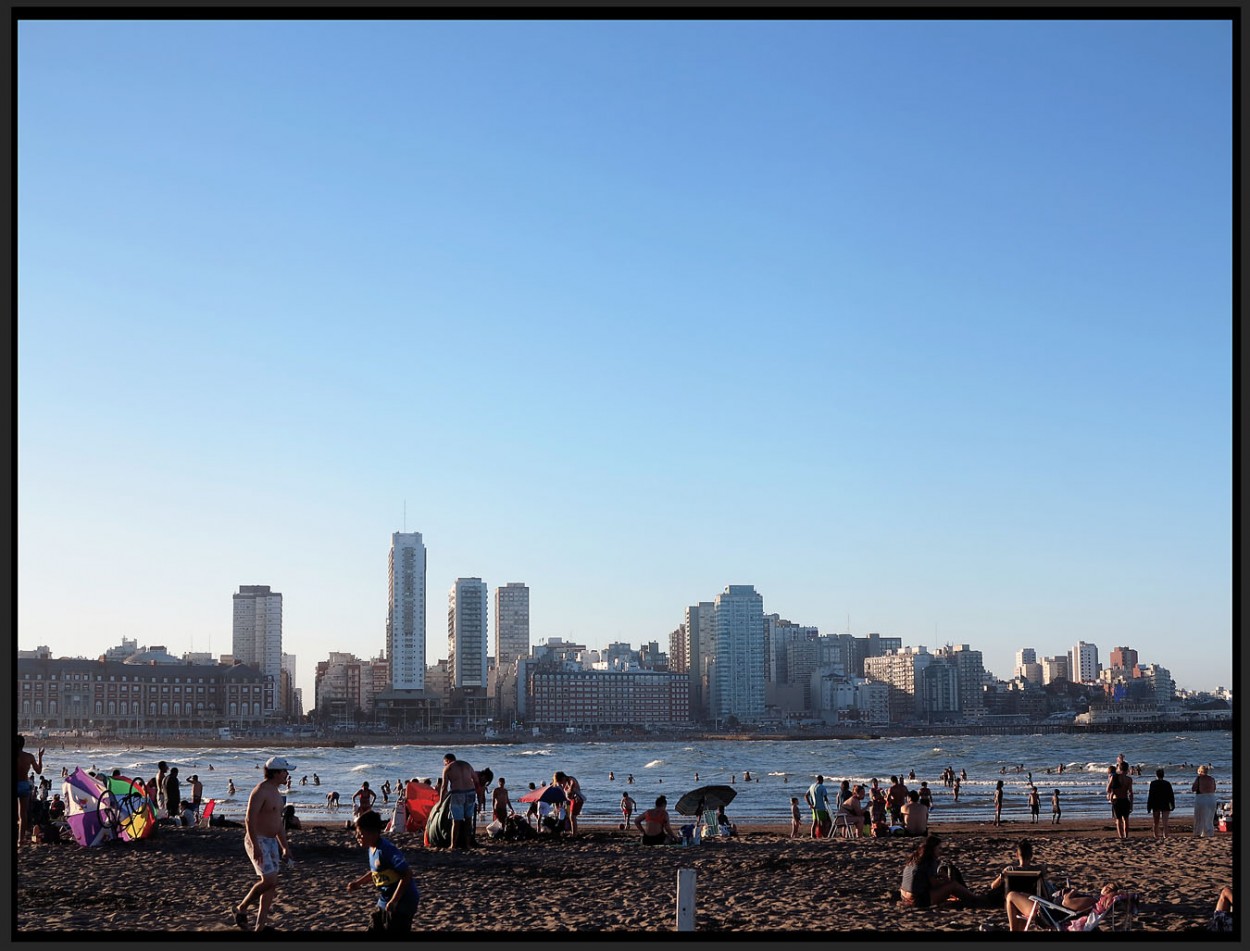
264,838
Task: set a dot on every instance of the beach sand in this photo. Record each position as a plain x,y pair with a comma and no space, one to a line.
184,880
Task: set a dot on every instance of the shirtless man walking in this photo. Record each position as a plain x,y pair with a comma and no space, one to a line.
460,786
26,761
264,838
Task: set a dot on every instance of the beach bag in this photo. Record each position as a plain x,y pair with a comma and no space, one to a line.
495,829
517,829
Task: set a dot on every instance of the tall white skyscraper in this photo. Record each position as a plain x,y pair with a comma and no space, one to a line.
257,634
736,681
1083,663
512,624
405,611
466,633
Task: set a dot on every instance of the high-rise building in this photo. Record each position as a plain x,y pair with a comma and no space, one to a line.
512,624
405,611
1124,659
466,633
736,673
1055,668
257,636
1024,657
904,671
699,648
1083,663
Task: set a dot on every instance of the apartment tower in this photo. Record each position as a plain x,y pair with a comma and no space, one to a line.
257,636
466,633
405,611
512,624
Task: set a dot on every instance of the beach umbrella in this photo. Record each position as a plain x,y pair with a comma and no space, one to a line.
544,794
705,797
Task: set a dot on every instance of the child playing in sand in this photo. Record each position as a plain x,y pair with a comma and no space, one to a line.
398,896
795,817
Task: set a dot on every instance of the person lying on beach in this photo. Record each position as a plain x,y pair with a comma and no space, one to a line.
398,896
1019,904
654,824
923,885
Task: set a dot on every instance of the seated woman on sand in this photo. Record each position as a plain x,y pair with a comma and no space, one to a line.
923,886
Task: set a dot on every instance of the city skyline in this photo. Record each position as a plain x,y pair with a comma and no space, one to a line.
1099,658
925,325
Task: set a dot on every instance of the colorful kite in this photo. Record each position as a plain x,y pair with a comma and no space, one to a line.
84,797
133,814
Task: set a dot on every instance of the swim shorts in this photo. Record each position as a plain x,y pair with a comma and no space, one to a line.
820,815
1120,808
268,862
658,839
23,788
462,804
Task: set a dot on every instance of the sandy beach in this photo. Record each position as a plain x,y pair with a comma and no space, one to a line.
759,882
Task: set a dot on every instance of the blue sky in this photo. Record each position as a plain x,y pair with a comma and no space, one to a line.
924,326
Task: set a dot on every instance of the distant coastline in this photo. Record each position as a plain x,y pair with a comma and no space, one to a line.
353,739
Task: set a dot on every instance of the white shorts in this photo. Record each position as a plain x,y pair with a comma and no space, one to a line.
269,861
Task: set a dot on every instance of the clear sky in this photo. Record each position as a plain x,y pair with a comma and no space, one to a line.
921,327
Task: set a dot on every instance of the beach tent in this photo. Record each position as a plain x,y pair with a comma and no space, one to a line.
419,800
135,817
84,795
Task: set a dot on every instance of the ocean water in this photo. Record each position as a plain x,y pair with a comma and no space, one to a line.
778,769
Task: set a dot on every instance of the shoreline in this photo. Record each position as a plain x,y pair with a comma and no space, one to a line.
351,740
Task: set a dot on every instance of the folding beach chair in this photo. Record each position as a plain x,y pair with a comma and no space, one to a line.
842,820
203,822
707,819
1029,882
1047,916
